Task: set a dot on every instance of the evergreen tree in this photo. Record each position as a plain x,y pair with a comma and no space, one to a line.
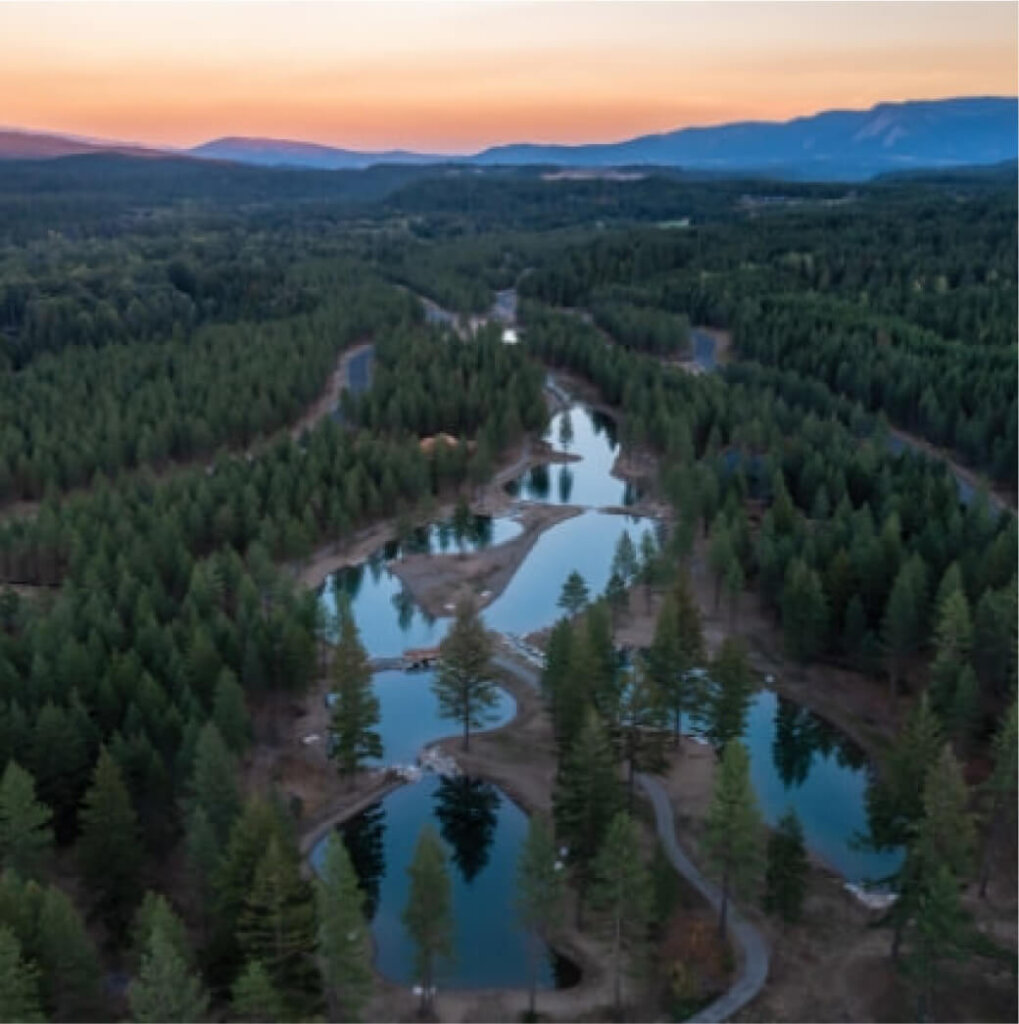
205,855
732,836
26,838
895,800
615,595
109,848
71,976
785,878
944,837
463,683
253,998
947,833
564,693
900,628
355,713
938,933
574,596
624,560
230,713
154,913
804,612
621,892
728,701
952,640
1001,789
19,984
720,555
344,942
676,649
641,725
539,894
213,785
428,916
586,797
260,823
277,928
165,989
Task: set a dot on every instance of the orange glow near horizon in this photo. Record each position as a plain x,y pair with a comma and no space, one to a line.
455,77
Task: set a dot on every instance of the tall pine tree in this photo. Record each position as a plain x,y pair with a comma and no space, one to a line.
463,682
344,942
355,714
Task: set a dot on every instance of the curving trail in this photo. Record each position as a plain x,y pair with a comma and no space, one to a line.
754,958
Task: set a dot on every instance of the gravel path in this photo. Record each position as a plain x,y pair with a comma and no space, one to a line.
754,967
754,959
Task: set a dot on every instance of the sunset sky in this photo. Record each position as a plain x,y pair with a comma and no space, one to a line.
456,77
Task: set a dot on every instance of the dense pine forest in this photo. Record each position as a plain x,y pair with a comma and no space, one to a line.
164,325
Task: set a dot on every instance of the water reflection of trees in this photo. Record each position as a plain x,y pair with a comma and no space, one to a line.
363,836
603,423
565,483
565,431
348,581
404,605
538,483
799,734
467,812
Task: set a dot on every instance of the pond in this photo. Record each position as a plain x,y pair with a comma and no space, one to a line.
482,831
385,613
703,349
591,435
586,543
800,761
409,713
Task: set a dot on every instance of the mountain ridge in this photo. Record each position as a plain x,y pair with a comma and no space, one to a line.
838,144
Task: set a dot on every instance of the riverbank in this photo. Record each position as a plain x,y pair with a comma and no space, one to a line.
437,582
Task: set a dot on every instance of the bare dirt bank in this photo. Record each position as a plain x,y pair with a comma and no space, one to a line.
436,582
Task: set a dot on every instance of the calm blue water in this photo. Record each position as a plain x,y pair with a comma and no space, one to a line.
409,714
589,482
586,543
483,832
703,349
386,615
822,776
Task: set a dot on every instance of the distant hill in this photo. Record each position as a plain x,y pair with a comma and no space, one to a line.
19,145
285,153
835,145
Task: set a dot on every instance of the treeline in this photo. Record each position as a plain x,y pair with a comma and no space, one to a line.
69,416
650,330
137,288
904,304
956,394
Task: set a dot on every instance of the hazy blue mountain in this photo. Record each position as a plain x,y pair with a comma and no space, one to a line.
832,144
287,153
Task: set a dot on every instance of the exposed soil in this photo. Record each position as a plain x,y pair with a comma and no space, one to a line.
436,582
330,397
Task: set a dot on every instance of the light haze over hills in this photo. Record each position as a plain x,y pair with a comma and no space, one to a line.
834,144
